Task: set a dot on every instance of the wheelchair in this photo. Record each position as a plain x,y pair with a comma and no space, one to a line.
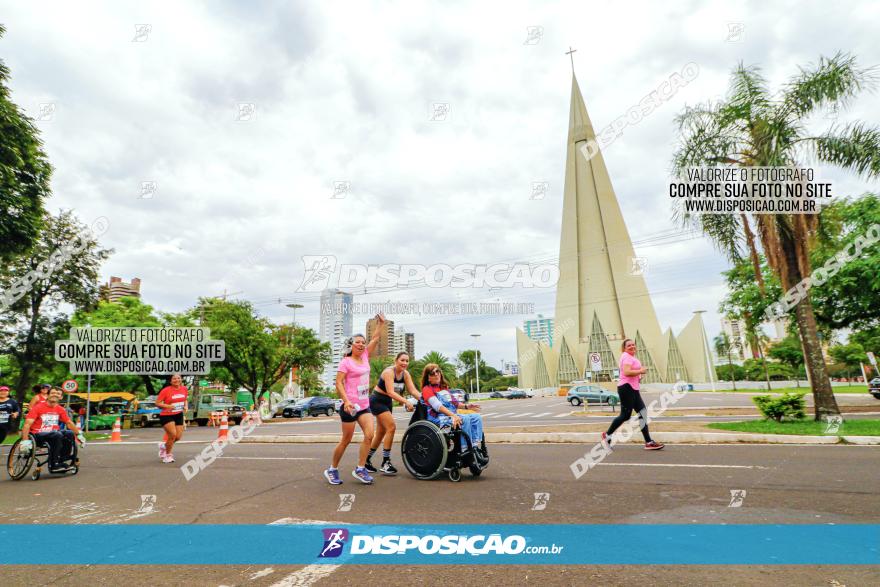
428,451
19,464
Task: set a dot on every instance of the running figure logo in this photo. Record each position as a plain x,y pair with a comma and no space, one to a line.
346,500
334,540
148,502
737,496
833,423
541,501
318,269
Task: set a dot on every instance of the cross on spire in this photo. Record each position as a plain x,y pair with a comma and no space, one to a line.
569,53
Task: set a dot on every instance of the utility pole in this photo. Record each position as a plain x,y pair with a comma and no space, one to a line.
477,361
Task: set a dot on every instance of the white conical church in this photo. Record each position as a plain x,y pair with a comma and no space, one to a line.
600,299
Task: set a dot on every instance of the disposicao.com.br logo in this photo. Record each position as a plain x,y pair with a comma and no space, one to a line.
323,271
493,544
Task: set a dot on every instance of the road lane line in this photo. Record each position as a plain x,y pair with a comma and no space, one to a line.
521,415
271,458
682,465
542,414
562,415
311,573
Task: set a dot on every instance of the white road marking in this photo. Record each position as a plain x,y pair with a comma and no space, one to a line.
521,415
681,465
562,415
263,573
542,414
271,458
309,574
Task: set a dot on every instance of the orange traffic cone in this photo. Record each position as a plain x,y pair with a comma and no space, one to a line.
224,428
116,436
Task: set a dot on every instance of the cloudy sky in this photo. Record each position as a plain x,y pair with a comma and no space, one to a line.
136,92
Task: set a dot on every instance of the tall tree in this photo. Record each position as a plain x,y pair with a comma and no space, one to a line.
61,268
752,128
24,175
258,352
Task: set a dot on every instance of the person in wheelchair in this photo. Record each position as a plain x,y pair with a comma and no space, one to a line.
442,408
43,422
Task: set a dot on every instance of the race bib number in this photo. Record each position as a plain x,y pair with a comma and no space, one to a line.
49,422
398,387
4,417
177,406
363,391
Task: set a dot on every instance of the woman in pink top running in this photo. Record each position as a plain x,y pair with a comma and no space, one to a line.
353,387
631,372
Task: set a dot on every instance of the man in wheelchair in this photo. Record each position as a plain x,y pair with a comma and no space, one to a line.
43,422
439,438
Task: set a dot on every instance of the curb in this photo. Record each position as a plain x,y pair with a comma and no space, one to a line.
593,437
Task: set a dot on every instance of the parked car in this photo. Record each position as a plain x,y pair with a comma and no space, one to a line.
147,414
498,394
282,405
310,406
591,394
874,387
518,394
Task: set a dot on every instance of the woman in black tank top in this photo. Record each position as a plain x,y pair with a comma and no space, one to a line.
393,382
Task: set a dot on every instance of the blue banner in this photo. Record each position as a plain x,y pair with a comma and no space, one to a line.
232,544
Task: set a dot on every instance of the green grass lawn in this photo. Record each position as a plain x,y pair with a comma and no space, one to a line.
804,388
804,427
89,436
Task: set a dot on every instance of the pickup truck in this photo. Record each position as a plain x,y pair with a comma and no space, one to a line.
201,405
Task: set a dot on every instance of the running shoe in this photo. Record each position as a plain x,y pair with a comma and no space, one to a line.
168,458
332,476
653,445
362,475
388,468
369,467
606,441
161,450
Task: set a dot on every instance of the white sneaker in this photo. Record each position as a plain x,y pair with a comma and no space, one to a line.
161,450
168,458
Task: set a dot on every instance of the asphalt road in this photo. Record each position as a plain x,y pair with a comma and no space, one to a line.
526,412
262,484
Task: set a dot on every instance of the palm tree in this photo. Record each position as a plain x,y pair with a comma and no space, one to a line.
753,128
723,346
416,367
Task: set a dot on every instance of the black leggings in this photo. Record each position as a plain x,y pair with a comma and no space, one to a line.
630,399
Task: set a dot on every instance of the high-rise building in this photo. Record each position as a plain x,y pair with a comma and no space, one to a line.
600,296
410,344
386,339
739,341
334,327
540,330
117,289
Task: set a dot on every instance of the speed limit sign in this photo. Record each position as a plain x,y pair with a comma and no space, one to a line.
70,385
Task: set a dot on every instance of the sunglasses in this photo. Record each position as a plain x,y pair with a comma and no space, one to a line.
434,372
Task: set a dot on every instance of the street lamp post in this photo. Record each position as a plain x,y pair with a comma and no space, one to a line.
477,352
293,327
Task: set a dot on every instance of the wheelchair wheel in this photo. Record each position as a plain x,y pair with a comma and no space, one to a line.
17,464
424,450
455,475
36,474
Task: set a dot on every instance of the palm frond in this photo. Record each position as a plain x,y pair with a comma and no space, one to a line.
854,146
833,81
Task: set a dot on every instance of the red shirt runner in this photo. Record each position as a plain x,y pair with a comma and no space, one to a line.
176,396
46,417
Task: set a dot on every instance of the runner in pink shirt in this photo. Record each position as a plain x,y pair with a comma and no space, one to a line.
631,372
353,387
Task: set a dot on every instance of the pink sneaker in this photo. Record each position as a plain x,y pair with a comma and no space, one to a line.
161,450
168,458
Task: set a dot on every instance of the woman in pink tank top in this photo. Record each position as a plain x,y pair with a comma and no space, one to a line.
631,372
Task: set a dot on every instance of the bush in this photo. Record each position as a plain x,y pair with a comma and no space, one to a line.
788,405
